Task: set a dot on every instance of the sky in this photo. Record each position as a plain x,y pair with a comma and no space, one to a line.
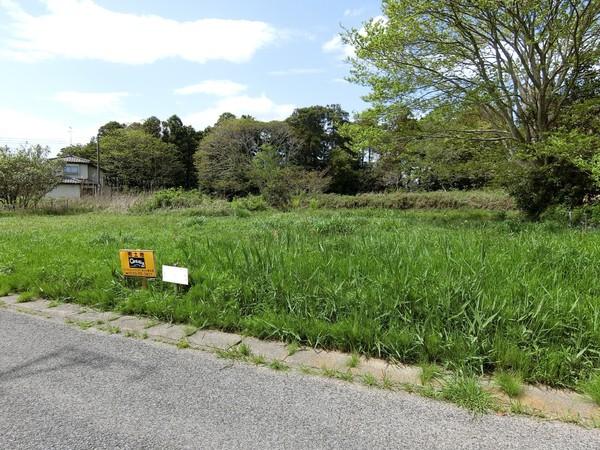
69,66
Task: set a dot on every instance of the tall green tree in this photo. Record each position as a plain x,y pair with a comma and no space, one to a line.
224,157
185,138
519,61
316,128
133,158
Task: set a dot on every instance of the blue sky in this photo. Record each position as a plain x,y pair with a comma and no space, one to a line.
80,63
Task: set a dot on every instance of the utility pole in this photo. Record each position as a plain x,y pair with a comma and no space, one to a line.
98,185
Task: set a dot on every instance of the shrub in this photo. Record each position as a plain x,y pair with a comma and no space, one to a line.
169,199
492,200
251,203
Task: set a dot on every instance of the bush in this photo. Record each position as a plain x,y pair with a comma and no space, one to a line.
169,199
492,200
250,203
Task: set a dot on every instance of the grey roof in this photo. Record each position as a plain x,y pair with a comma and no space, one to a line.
75,159
67,180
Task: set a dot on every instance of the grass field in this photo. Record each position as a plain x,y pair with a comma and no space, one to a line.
476,291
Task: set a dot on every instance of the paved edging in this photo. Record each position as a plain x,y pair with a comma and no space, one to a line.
540,401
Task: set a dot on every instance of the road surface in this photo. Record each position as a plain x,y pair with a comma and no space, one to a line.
61,387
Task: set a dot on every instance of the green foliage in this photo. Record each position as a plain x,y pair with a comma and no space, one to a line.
224,156
133,158
429,372
591,387
466,391
170,199
537,184
317,130
185,139
26,175
492,200
250,203
272,177
470,289
511,383
423,54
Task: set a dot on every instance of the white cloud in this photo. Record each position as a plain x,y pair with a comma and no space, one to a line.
91,102
290,72
354,12
262,108
336,45
220,88
340,80
20,128
81,29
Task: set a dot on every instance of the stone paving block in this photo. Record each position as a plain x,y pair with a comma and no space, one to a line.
9,299
559,404
269,349
131,323
65,310
96,316
403,374
167,332
372,366
37,305
320,360
214,339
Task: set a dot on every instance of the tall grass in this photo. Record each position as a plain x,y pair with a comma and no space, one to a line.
471,290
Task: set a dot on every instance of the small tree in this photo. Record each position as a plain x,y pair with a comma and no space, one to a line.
26,175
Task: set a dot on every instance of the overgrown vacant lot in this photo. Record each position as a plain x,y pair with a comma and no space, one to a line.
473,290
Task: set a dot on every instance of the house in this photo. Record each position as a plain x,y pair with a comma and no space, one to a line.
79,178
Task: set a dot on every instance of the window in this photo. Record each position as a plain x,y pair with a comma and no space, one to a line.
71,170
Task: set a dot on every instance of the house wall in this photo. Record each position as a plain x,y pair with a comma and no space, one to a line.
83,171
91,174
65,191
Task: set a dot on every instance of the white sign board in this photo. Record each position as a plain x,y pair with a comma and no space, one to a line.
177,275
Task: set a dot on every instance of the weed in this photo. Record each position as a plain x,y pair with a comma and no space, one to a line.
244,350
307,370
344,376
259,360
353,361
25,297
111,329
369,380
465,287
83,324
516,407
387,383
183,343
276,364
53,304
293,348
511,383
466,391
429,372
592,388
329,373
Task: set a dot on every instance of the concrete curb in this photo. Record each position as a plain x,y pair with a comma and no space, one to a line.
535,400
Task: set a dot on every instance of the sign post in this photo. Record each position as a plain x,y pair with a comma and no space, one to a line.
138,264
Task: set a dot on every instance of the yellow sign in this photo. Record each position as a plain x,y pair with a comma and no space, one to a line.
138,263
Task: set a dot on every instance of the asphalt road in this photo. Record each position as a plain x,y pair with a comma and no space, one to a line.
64,388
